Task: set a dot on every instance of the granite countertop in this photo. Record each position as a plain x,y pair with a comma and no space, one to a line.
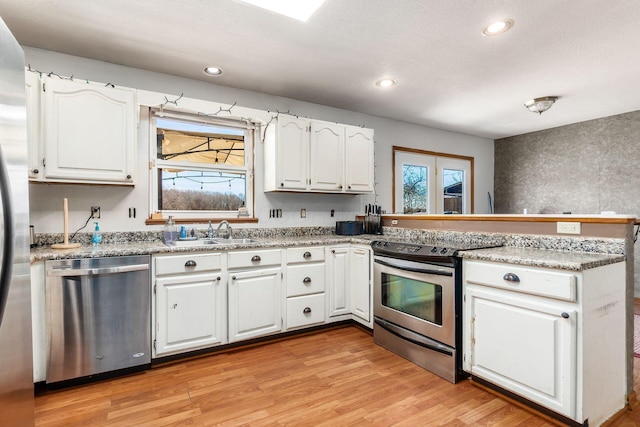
541,251
44,253
564,260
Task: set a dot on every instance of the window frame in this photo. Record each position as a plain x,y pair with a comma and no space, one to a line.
251,133
434,189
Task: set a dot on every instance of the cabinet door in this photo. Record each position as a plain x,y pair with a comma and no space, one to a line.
255,306
33,88
359,267
292,141
326,156
359,154
190,312
339,291
89,132
523,344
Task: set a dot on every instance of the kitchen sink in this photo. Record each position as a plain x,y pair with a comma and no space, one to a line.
234,241
194,242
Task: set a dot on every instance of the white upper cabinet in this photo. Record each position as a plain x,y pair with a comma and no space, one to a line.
359,176
326,156
33,88
88,132
291,140
316,156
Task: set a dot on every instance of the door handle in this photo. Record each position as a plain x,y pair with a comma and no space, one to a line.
306,280
306,310
190,263
7,248
307,255
255,258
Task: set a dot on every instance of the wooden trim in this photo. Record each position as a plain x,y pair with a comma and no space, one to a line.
511,218
235,220
395,148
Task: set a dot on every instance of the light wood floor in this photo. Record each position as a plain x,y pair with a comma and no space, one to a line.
333,378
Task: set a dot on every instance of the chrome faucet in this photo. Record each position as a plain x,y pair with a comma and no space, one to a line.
225,222
210,231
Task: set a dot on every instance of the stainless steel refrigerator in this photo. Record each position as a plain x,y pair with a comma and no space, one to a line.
16,359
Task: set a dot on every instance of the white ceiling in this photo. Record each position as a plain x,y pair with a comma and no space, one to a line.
450,76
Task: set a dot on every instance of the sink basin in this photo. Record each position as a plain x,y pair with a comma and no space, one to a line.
234,241
196,242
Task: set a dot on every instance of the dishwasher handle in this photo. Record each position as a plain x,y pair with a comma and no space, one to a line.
68,271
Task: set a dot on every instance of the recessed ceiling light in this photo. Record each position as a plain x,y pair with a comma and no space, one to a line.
388,82
498,27
296,9
213,71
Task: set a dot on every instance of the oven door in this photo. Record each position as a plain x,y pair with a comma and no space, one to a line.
417,296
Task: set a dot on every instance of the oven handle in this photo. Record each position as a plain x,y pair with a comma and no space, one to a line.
413,337
414,269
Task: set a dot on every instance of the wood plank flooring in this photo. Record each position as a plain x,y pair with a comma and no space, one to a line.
332,378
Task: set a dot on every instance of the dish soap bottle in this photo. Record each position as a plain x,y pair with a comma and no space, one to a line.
170,232
96,238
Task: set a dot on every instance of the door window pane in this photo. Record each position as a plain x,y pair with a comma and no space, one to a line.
414,183
453,190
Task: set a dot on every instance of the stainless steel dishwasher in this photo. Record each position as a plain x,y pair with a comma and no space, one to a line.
98,313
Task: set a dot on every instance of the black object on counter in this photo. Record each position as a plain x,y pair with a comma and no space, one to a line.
349,228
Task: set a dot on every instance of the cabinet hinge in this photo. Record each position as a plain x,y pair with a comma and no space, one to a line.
154,345
44,89
154,288
282,276
151,164
44,162
464,298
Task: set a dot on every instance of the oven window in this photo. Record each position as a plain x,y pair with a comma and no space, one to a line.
417,298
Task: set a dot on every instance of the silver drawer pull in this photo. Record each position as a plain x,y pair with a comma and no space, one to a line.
233,277
307,255
255,258
306,310
190,263
511,277
218,278
565,315
306,280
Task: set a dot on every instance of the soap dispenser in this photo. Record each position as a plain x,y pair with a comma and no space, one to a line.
96,238
170,232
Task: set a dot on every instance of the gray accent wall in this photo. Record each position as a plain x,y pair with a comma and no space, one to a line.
583,168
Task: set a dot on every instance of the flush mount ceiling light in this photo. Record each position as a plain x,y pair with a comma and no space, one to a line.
498,27
296,9
387,82
213,71
540,105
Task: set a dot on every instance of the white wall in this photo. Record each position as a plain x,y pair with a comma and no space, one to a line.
46,199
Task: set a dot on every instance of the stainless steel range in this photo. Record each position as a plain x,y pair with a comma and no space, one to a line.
418,303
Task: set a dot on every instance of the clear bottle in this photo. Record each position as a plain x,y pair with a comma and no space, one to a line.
170,231
96,237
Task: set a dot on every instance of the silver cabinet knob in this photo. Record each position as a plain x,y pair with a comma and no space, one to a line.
190,263
255,258
565,315
511,277
307,255
306,280
306,310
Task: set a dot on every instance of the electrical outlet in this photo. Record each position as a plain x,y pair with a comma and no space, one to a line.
568,227
303,213
95,211
394,222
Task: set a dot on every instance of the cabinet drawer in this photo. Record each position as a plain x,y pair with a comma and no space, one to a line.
536,281
305,310
309,254
254,258
193,263
304,279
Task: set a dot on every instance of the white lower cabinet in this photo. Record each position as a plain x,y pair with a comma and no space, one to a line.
339,292
361,294
255,283
190,303
349,290
553,337
305,284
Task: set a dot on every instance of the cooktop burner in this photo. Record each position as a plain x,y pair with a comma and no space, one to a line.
426,250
